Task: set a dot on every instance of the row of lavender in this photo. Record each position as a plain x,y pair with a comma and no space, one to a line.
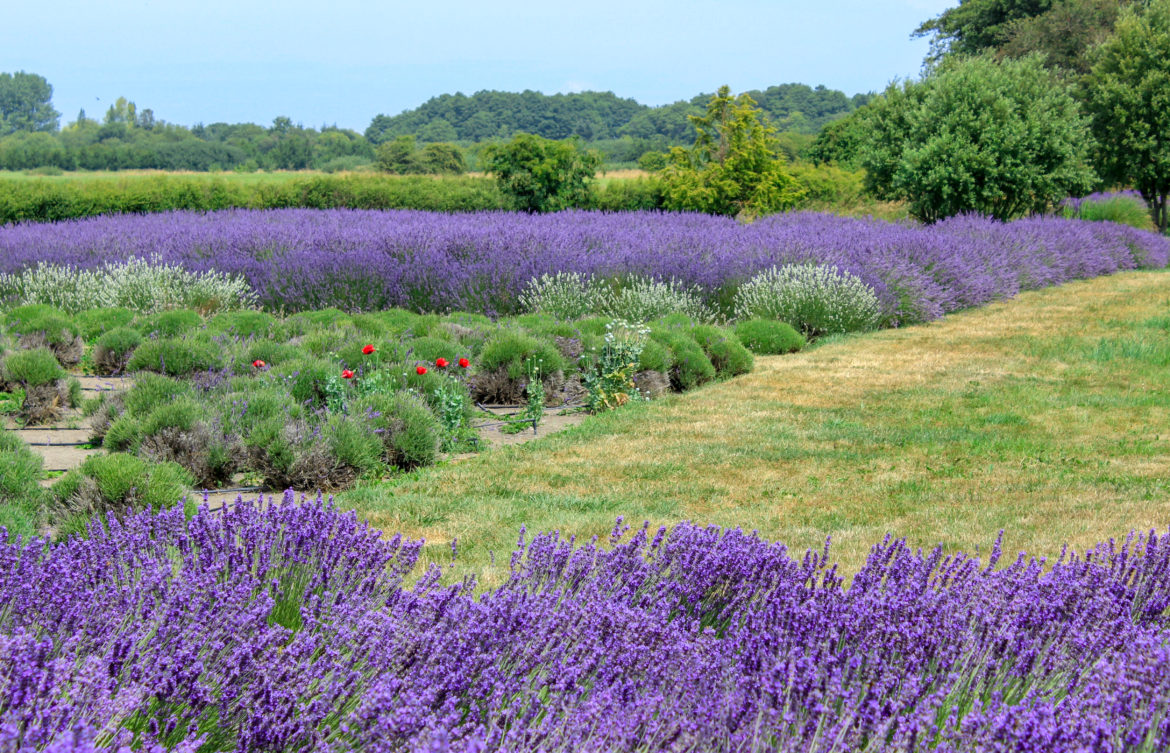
368,260
289,629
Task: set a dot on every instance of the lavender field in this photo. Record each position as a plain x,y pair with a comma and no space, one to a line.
289,628
369,260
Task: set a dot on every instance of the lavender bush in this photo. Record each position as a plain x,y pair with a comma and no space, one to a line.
367,260
288,628
817,300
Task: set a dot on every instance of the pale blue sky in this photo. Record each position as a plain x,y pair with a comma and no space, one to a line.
344,62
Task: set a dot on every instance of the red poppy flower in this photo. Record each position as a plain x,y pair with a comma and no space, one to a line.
258,363
464,363
347,374
421,370
368,349
441,363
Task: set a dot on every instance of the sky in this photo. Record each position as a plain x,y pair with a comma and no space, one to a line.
343,62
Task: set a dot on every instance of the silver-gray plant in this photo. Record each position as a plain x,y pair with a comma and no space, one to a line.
643,299
138,284
815,299
565,295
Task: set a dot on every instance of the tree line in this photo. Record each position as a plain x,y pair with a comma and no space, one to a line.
621,130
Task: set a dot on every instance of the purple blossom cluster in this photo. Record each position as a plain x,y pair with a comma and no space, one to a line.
368,260
287,627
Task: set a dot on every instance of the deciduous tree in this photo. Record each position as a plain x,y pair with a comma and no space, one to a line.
1002,139
1129,99
733,168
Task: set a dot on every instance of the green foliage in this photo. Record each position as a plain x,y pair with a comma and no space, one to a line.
410,432
430,348
442,159
31,368
542,175
1001,139
171,323
21,497
120,340
180,414
123,435
654,357
92,323
828,186
123,481
1065,33
839,143
768,336
28,318
26,103
152,390
1126,210
307,380
733,168
175,357
353,443
243,324
728,355
977,25
518,354
653,162
610,382
1129,99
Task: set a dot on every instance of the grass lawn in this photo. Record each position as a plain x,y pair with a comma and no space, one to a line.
1047,416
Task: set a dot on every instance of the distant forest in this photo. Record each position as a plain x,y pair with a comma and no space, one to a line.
595,116
130,137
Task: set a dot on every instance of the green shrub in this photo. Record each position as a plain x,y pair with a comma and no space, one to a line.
307,378
272,353
170,324
428,349
175,357
306,321
410,432
152,390
768,336
113,350
326,342
467,319
726,352
595,325
1126,210
31,368
57,329
654,357
517,354
352,357
123,435
92,323
181,414
73,394
21,497
354,443
397,322
244,324
691,366
23,319
116,483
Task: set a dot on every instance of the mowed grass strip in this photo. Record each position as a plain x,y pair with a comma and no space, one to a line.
1047,416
